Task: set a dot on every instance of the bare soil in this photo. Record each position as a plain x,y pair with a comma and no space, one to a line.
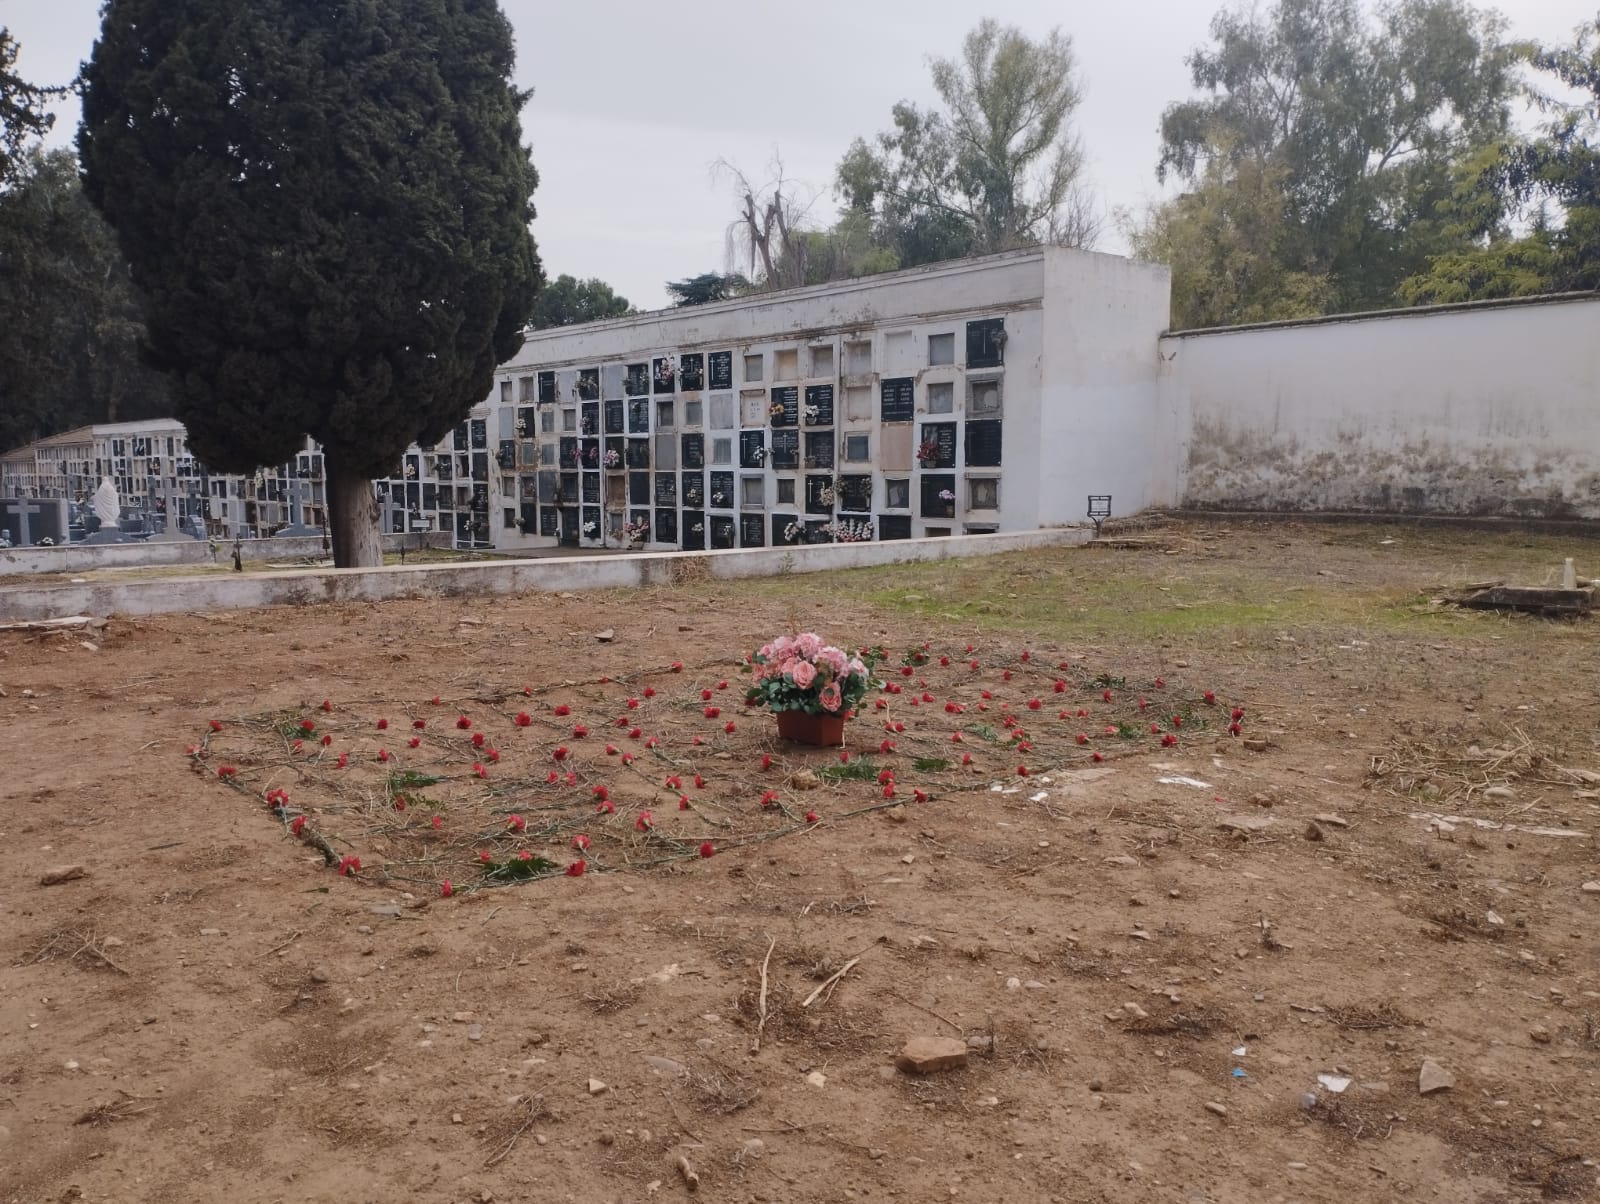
1153,955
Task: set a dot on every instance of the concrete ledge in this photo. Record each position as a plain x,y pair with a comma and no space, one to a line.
78,557
245,591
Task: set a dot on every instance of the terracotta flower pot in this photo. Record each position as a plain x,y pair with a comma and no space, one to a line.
824,731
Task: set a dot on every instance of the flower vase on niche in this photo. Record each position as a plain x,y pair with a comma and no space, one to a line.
811,687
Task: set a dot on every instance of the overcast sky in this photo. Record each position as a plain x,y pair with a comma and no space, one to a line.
635,100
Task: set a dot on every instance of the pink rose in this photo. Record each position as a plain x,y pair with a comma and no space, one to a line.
804,673
830,697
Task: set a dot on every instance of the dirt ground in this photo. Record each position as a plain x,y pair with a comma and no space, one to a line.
1152,956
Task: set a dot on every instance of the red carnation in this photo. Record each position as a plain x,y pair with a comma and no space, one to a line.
463,723
575,870
706,850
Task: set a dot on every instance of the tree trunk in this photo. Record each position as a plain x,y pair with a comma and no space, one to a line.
353,519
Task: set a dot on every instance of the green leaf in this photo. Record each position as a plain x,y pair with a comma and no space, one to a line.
516,869
851,771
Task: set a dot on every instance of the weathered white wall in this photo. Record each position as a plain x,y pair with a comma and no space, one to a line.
230,591
1102,426
1486,410
154,553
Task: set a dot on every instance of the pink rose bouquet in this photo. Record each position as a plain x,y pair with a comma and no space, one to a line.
801,673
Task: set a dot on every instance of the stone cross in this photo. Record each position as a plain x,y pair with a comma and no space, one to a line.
23,508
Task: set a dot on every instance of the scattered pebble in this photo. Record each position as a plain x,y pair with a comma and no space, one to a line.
596,1087
1433,1078
929,1055
1214,1107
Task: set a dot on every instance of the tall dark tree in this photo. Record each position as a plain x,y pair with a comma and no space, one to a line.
567,301
327,206
23,112
70,324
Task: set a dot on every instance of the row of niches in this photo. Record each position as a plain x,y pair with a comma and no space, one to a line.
812,406
975,443
696,530
935,494
693,372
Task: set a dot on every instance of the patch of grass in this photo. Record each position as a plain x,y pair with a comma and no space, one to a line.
861,770
410,779
517,869
930,764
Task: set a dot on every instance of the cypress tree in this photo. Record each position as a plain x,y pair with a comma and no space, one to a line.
326,204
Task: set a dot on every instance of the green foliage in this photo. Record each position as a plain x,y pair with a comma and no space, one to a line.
1222,241
996,167
930,764
410,779
1333,137
859,770
517,869
327,206
568,301
1522,267
1560,167
708,286
70,323
23,116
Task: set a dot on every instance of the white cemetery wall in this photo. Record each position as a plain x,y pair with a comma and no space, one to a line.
483,579
1103,428
1475,410
78,558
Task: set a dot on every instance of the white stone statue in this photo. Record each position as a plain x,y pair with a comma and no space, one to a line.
107,505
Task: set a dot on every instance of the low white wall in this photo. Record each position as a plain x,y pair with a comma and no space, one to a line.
1489,410
304,587
77,558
